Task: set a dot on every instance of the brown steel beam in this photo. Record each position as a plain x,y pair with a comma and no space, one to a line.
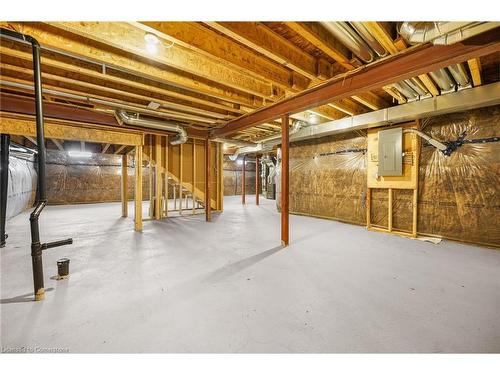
406,64
243,177
54,110
257,180
208,179
26,105
285,240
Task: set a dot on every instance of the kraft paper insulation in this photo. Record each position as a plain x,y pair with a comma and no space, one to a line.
89,180
459,195
233,176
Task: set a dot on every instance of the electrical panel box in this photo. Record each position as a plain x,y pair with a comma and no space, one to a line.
390,152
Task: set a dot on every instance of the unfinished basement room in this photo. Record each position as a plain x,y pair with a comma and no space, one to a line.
250,187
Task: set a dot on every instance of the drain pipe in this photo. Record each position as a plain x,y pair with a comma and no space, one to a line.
36,246
181,137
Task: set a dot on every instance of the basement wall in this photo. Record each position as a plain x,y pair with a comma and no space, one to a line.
233,176
459,196
22,181
90,180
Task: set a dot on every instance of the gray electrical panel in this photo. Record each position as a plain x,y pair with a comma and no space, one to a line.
390,152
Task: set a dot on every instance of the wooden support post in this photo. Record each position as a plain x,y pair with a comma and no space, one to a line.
138,188
414,228
389,211
208,179
368,208
243,179
194,176
180,179
257,180
151,178
285,236
124,186
157,201
166,176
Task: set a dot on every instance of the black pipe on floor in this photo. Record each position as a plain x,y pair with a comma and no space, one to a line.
36,246
4,184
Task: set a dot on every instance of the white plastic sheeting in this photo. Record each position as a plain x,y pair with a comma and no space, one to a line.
22,184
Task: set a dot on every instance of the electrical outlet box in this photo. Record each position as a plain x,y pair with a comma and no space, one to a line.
390,152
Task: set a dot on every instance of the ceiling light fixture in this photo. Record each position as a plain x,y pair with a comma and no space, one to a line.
152,43
151,39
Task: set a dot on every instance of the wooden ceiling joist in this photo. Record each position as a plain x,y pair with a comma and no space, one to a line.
407,64
15,104
90,89
69,130
475,71
323,40
9,50
58,143
54,38
262,39
105,148
120,149
131,39
196,37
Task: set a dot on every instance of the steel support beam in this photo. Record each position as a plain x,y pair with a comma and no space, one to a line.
243,178
257,180
208,179
285,236
406,64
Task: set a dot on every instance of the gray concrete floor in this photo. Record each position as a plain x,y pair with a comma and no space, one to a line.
184,285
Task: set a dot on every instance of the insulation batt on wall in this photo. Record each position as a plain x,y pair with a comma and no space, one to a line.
328,177
88,180
233,175
458,195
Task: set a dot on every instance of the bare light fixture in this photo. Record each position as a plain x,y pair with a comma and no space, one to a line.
80,154
152,43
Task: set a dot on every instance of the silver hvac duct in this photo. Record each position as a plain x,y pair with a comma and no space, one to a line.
443,80
406,90
180,138
442,32
362,45
463,100
348,37
460,75
369,38
416,85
